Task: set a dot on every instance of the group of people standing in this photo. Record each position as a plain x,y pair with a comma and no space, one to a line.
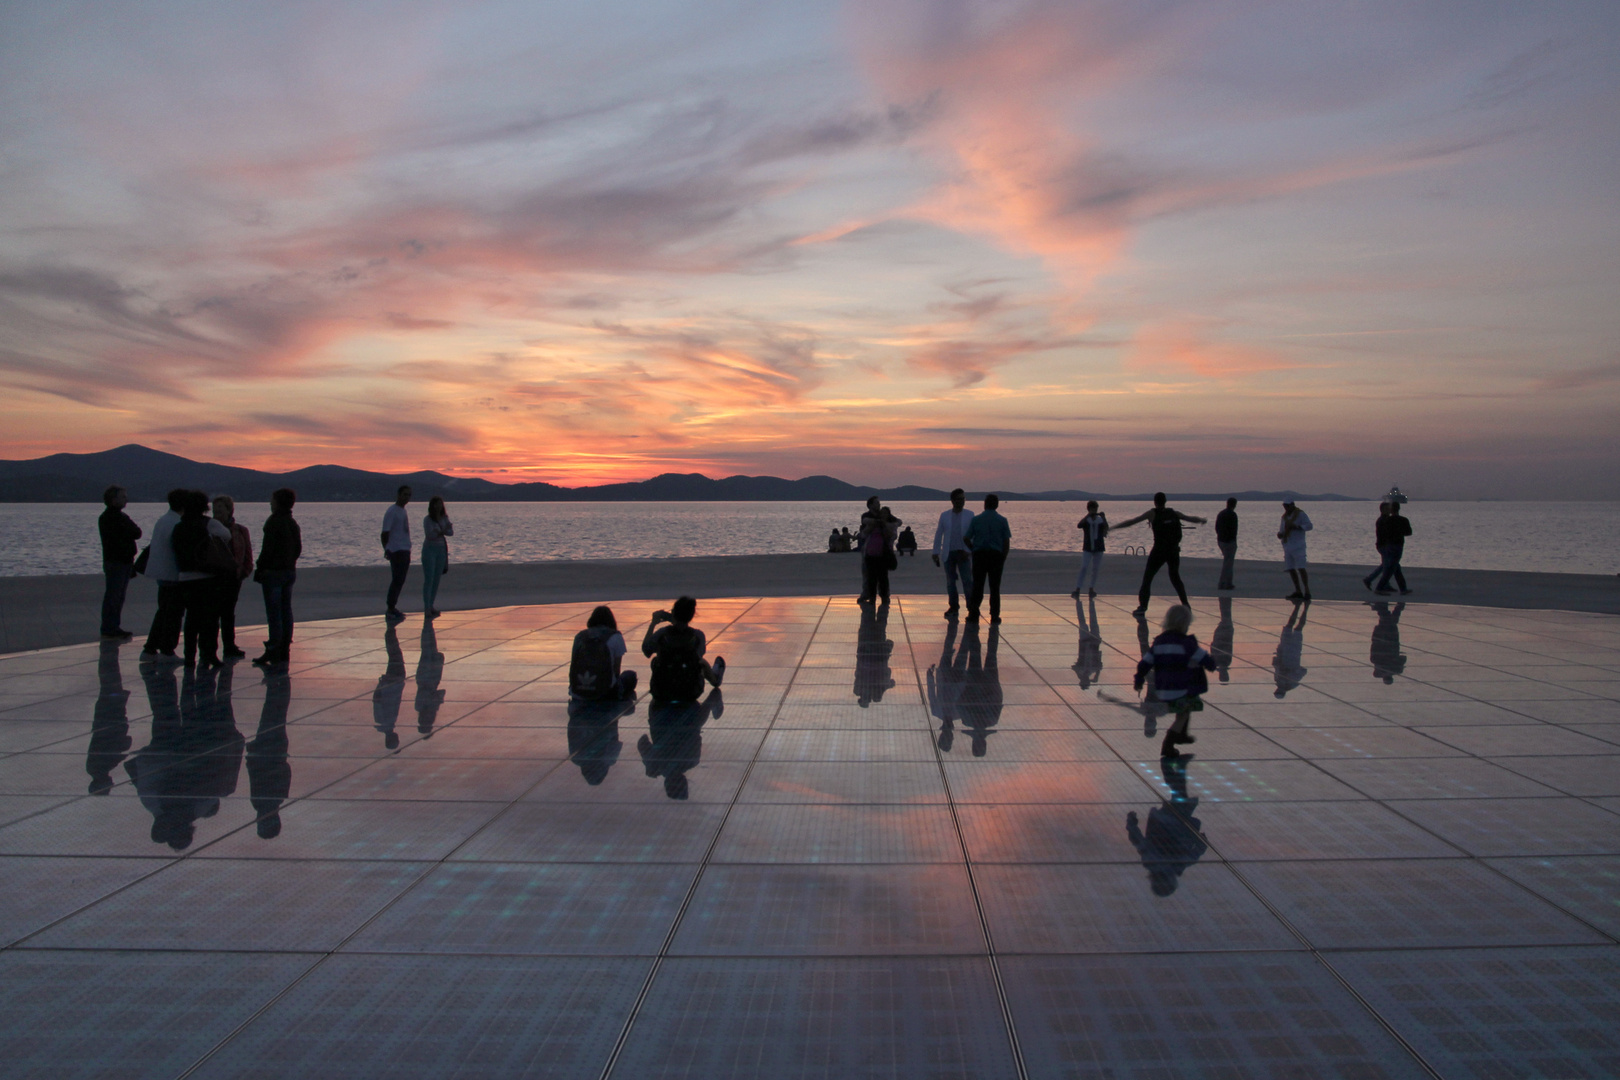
199,563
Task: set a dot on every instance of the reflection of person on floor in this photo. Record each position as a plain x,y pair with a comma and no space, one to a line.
981,689
1177,663
945,688
1287,666
429,673
1220,644
109,721
873,649
673,744
390,692
593,735
1090,662
1173,840
195,754
1387,659
268,769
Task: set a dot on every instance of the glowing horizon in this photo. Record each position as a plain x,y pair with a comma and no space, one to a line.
1039,245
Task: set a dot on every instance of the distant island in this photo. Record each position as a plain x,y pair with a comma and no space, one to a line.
149,474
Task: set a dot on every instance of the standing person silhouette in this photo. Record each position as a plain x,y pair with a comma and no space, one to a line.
396,542
230,586
1166,551
435,553
990,538
276,572
879,528
118,536
1093,542
1291,532
161,567
1226,530
951,551
1391,533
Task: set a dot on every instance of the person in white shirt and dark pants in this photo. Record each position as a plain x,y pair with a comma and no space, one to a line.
396,542
951,550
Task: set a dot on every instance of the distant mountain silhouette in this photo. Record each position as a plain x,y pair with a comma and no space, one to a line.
149,474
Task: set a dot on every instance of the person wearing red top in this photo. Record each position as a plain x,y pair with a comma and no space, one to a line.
231,587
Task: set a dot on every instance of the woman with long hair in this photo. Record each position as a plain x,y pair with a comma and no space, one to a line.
435,553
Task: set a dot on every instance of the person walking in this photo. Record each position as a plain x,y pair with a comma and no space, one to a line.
989,537
396,542
876,542
118,536
1166,551
951,550
276,572
1390,533
435,553
1093,541
1178,664
230,587
1291,532
1226,529
160,567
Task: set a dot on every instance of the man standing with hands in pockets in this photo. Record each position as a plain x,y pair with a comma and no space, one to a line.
950,544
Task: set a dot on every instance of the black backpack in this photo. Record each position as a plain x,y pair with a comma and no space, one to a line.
677,669
590,670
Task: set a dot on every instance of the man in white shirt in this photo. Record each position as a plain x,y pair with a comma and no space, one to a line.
396,542
950,545
161,568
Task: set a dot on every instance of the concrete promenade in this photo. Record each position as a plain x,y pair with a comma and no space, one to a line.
44,612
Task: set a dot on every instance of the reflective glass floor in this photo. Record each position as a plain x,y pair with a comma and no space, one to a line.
889,846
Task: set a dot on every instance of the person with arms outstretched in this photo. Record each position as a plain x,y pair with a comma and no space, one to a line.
1166,551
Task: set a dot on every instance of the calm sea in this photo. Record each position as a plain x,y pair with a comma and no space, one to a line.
1573,537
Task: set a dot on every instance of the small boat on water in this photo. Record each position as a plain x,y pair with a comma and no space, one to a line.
1396,496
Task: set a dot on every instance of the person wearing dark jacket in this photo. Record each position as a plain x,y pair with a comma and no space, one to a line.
989,537
276,571
1390,534
1177,663
229,586
1093,542
118,536
1166,551
1226,528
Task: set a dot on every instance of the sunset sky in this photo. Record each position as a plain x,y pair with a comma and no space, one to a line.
1117,246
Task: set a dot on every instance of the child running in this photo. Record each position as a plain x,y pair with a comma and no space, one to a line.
1178,664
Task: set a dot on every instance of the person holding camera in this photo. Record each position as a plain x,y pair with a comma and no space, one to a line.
679,669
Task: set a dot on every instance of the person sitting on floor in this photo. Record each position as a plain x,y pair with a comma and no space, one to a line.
678,667
593,669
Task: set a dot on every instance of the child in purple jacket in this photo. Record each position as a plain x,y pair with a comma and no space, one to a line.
1178,664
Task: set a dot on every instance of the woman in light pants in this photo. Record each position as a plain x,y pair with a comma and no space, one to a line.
1093,529
435,553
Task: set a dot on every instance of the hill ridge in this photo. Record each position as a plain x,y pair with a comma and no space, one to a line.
149,474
